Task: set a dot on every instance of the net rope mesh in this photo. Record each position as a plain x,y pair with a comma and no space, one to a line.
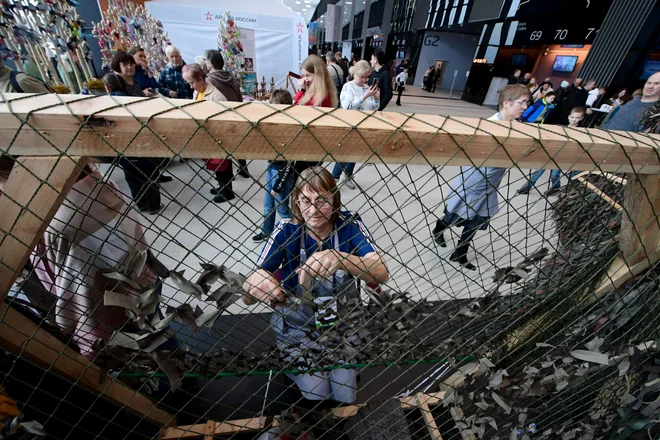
521,347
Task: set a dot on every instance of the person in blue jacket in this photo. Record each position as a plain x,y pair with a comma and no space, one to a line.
473,198
319,253
540,110
171,79
143,75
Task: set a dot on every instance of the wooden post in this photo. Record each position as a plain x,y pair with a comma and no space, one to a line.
31,197
257,131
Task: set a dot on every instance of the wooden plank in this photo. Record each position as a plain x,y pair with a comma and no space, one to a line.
183,431
210,429
601,194
429,421
162,127
21,336
234,426
32,195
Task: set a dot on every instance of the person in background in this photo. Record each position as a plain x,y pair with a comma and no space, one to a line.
114,84
617,101
228,86
543,89
356,95
596,97
315,87
514,78
576,96
428,77
194,75
91,232
382,76
124,65
437,73
279,181
526,79
171,79
12,81
540,110
630,115
326,248
335,72
143,75
473,198
401,80
68,67
400,67
574,118
343,63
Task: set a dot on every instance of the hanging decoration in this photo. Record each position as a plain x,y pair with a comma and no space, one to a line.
35,35
229,44
127,25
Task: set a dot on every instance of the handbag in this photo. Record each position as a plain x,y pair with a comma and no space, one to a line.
216,164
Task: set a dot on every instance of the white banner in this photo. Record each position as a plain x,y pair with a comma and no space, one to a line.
333,24
242,19
300,41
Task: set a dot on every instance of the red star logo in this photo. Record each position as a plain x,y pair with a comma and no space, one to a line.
209,16
300,27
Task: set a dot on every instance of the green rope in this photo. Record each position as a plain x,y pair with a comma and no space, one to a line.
314,370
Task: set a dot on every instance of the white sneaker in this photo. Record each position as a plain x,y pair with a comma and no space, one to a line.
349,182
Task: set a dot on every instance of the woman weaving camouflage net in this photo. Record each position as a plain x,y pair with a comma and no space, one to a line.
318,253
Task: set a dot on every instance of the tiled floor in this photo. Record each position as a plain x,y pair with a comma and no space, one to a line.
399,205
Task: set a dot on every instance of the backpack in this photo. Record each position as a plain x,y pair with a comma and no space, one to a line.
339,82
17,87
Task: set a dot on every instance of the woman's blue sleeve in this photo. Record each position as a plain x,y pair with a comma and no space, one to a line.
272,255
361,240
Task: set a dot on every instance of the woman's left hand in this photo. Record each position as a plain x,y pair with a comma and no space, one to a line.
377,95
321,264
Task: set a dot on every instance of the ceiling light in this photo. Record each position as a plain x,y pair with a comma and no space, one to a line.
297,3
348,3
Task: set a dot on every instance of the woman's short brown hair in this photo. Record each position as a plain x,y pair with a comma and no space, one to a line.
512,93
120,57
320,180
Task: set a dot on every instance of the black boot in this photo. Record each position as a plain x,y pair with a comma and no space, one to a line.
460,256
460,253
438,232
225,191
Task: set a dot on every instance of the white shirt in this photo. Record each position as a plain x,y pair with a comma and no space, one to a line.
593,96
402,78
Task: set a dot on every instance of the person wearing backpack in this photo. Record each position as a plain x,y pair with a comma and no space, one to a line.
335,72
12,81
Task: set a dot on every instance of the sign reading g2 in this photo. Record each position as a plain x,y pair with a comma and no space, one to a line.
431,40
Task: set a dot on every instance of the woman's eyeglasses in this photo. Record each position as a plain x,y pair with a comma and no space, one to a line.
320,203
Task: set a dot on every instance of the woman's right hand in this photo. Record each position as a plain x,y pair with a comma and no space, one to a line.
262,286
370,92
173,94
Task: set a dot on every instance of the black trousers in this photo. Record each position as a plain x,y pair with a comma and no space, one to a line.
398,99
141,175
224,179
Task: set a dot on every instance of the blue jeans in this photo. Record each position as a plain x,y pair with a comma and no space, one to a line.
555,177
279,203
347,167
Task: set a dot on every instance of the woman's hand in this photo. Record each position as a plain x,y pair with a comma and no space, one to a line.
262,286
173,94
371,92
377,95
147,93
321,264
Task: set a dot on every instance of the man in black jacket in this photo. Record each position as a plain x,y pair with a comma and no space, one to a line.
576,96
382,75
515,78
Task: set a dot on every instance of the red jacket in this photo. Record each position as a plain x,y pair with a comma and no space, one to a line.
326,102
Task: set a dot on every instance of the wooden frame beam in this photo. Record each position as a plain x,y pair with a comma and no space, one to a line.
162,127
31,197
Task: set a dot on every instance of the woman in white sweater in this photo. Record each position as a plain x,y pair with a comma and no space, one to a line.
357,95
